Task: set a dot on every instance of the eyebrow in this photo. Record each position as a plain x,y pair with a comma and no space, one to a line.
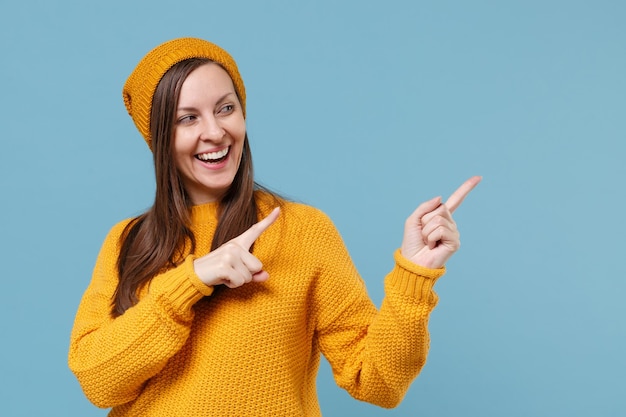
220,100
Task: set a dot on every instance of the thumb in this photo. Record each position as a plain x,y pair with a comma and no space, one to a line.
423,209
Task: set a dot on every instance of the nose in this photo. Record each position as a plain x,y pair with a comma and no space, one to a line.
211,129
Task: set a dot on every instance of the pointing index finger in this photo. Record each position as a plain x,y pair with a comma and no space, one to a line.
459,195
247,238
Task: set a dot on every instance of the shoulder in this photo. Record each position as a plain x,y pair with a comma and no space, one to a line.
119,228
115,234
301,232
304,229
295,213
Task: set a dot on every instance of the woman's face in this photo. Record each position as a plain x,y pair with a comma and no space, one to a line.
209,133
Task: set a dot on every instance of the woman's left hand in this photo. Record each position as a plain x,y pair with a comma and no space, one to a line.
430,233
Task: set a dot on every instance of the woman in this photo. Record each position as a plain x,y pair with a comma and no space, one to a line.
198,308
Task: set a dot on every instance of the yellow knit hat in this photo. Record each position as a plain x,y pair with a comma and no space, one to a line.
142,82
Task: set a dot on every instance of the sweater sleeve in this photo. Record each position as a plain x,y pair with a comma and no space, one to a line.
375,354
114,357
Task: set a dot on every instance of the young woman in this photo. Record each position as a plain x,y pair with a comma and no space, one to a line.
219,299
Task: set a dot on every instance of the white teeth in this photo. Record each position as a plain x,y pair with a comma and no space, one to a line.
212,156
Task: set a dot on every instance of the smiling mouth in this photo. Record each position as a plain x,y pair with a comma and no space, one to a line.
213,157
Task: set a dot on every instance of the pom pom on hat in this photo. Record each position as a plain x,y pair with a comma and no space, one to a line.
142,82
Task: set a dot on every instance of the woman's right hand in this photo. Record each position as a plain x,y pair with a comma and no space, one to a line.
232,264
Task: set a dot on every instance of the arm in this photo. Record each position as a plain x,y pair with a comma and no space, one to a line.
375,355
113,357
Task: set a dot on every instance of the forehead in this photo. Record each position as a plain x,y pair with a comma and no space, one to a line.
206,81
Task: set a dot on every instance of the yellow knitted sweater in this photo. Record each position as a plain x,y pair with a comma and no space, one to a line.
187,350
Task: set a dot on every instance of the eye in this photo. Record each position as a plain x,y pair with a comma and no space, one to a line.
227,109
189,118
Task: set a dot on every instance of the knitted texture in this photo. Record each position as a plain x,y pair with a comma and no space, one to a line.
190,350
142,82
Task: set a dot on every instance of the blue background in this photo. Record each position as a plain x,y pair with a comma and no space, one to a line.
363,109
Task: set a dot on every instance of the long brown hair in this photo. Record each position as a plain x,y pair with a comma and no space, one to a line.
158,239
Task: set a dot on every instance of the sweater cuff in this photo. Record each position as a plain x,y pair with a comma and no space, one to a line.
413,280
180,288
204,289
